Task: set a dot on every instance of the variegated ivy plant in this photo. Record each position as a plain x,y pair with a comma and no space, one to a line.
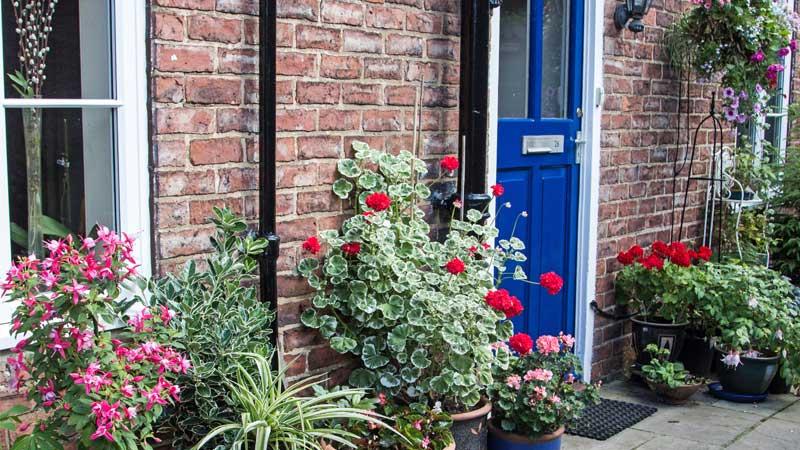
417,312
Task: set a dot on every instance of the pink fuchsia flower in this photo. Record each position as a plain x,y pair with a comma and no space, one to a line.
17,369
77,290
166,314
538,375
48,393
131,412
449,163
426,442
127,390
103,431
732,359
57,344
784,51
84,340
455,266
514,382
757,57
418,424
552,282
547,344
138,321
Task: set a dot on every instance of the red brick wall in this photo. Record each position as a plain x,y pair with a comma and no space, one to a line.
346,70
638,141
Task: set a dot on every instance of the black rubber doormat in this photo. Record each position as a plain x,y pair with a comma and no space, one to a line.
608,418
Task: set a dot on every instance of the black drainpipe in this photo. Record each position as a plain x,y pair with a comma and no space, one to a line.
266,161
474,98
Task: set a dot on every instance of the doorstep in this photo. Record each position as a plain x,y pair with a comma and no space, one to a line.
703,423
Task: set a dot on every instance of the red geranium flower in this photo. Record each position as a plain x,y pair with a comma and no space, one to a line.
449,163
311,245
704,253
515,309
682,259
653,262
351,248
552,282
636,251
455,266
521,343
626,258
498,190
661,249
378,201
504,302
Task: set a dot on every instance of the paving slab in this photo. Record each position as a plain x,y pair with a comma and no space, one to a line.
626,439
772,405
673,443
772,434
699,423
791,414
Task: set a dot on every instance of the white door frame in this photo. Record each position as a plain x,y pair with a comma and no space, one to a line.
589,185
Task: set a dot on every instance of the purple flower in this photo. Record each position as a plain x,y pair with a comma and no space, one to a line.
743,95
741,118
793,45
728,92
759,88
734,103
757,56
730,114
784,51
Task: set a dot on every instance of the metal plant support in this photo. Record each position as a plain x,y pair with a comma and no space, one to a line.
684,168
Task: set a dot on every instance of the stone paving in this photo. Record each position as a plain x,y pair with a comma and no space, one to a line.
704,423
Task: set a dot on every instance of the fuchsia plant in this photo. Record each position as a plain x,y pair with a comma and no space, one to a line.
101,389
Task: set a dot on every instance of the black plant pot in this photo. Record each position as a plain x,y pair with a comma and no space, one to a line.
752,377
470,429
664,334
697,354
779,385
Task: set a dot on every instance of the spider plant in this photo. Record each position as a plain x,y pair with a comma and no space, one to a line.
277,418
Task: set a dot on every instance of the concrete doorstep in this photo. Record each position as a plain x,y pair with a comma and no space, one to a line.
705,423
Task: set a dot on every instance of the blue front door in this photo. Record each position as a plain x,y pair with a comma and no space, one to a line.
539,93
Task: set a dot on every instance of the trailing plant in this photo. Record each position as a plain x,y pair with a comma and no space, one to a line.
786,221
219,314
653,283
740,43
386,292
272,417
104,391
661,371
538,393
747,236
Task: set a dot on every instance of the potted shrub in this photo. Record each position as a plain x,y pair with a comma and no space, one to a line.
750,306
537,394
669,380
92,389
652,285
387,293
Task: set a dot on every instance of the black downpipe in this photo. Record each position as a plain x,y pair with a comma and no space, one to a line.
266,161
474,95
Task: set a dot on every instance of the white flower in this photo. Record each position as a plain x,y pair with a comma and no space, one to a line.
508,205
732,359
524,213
753,302
437,407
779,335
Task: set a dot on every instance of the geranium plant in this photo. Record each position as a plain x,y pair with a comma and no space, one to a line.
653,283
388,293
538,392
740,43
101,389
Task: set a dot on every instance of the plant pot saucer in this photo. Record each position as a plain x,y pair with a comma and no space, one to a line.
715,389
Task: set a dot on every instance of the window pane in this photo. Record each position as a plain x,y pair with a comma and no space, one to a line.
77,169
79,62
555,58
514,30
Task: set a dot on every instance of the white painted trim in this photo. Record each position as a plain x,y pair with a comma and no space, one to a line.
131,137
586,266
589,201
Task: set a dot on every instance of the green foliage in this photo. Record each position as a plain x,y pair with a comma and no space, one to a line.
755,235
272,417
786,221
393,302
661,371
219,314
538,393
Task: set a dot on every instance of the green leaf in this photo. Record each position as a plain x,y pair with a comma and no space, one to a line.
389,380
335,265
371,358
398,336
349,168
473,215
309,318
342,188
409,374
362,378
343,344
52,227
368,180
307,266
327,326
461,363
420,358
441,384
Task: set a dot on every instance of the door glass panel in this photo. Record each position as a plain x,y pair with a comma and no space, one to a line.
78,64
555,58
514,32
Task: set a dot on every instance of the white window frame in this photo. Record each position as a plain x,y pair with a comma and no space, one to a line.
129,108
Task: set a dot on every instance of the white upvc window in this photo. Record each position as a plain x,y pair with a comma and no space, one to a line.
95,135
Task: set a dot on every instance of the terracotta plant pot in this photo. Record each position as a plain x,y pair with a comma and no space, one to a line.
503,440
752,377
469,428
665,335
674,396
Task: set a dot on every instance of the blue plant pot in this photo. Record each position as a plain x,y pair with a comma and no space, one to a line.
502,440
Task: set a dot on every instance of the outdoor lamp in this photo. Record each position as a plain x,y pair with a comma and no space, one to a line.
632,9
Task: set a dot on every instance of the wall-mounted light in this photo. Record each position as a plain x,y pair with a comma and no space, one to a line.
632,10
